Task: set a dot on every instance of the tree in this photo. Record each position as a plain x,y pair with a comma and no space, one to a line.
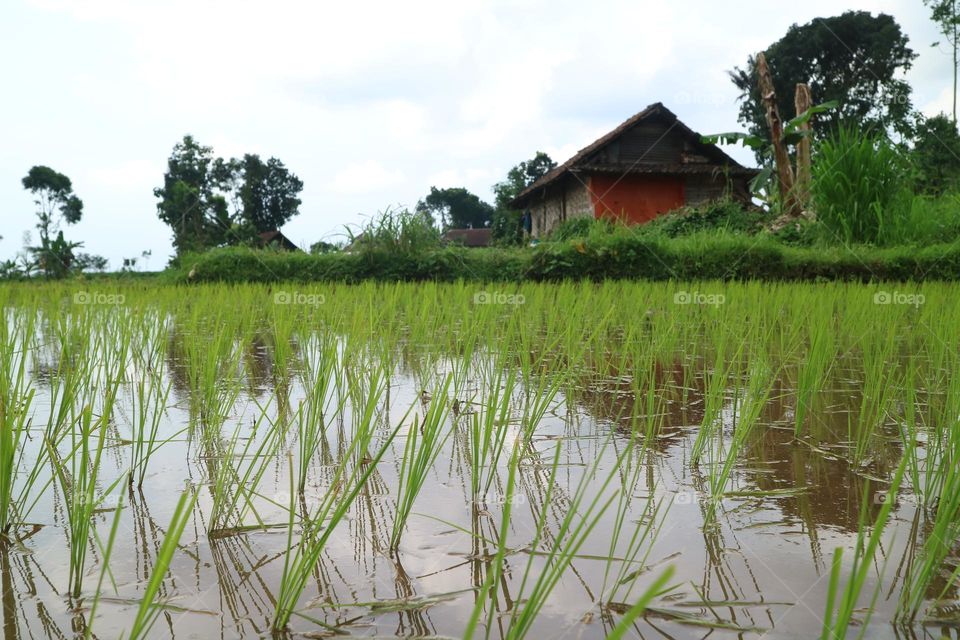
90,262
936,155
321,246
196,189
267,192
456,208
506,219
945,14
189,202
854,59
55,199
55,202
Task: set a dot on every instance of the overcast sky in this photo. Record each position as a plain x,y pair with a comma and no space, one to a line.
370,103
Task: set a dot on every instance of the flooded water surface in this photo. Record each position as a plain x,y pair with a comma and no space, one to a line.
568,461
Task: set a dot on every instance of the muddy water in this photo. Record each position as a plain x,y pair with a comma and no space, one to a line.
760,566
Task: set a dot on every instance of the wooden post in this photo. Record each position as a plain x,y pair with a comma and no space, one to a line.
803,102
784,171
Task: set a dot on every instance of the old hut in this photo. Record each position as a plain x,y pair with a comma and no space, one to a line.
649,165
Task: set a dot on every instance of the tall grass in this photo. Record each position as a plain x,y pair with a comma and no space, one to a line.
860,188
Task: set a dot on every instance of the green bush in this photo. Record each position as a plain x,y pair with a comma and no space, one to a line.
936,155
722,215
613,256
859,189
397,231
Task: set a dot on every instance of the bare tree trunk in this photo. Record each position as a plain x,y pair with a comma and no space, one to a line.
784,171
803,102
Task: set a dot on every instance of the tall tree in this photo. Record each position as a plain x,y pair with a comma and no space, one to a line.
189,201
855,58
945,14
56,203
267,193
456,208
936,155
506,220
55,199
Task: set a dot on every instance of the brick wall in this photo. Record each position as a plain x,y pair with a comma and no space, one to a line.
571,201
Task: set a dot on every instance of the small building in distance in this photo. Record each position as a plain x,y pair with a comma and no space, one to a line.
649,165
468,237
276,240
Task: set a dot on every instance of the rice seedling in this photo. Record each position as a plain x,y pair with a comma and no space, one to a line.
839,613
313,414
149,402
238,471
488,432
748,406
106,552
579,520
815,368
79,476
657,588
16,397
149,608
881,378
938,486
212,370
348,479
424,442
582,402
724,368
639,538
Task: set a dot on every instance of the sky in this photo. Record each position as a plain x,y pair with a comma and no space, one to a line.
369,103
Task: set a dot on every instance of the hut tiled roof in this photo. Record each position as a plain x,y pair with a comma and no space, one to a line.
581,160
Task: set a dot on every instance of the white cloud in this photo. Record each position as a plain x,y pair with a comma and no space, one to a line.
370,102
366,177
133,175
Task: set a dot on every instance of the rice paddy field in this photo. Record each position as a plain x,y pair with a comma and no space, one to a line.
624,460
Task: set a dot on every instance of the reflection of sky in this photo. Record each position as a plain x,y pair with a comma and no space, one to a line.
369,103
771,550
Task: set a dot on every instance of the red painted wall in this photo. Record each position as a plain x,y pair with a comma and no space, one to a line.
635,199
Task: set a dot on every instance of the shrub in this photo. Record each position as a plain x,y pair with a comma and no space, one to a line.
396,231
577,228
725,215
859,187
936,155
619,255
